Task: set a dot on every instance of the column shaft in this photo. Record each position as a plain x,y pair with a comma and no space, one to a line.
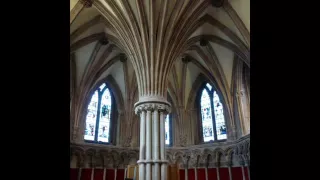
195,173
218,173
206,171
162,147
142,144
156,144
186,173
243,176
148,143
230,173
79,173
92,174
104,173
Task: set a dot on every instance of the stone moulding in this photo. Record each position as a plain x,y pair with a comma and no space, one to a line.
230,153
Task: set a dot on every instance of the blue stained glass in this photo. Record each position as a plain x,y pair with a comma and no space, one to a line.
104,123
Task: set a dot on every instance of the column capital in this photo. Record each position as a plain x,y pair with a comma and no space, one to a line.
153,104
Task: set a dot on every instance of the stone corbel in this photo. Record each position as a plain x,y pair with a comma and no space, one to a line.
87,3
104,41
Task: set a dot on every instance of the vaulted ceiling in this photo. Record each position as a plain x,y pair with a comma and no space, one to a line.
109,37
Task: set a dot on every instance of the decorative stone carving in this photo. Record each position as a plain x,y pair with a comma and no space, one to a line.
127,142
153,106
104,41
193,156
87,3
183,140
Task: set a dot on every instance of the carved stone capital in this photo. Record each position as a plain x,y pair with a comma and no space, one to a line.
87,3
152,106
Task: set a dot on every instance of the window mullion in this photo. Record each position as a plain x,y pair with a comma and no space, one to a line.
112,120
213,116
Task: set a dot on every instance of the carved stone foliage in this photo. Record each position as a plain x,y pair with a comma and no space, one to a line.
110,157
235,153
152,106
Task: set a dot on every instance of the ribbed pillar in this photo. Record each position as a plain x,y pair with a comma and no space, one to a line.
148,144
156,144
152,138
142,145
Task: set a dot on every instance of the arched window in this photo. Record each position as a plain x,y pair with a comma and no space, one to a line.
168,125
99,116
168,130
212,117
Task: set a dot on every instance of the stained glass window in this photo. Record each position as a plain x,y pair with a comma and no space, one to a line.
99,116
206,114
91,117
167,129
213,121
219,117
105,116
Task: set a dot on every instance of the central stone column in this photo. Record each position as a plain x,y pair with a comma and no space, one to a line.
152,161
